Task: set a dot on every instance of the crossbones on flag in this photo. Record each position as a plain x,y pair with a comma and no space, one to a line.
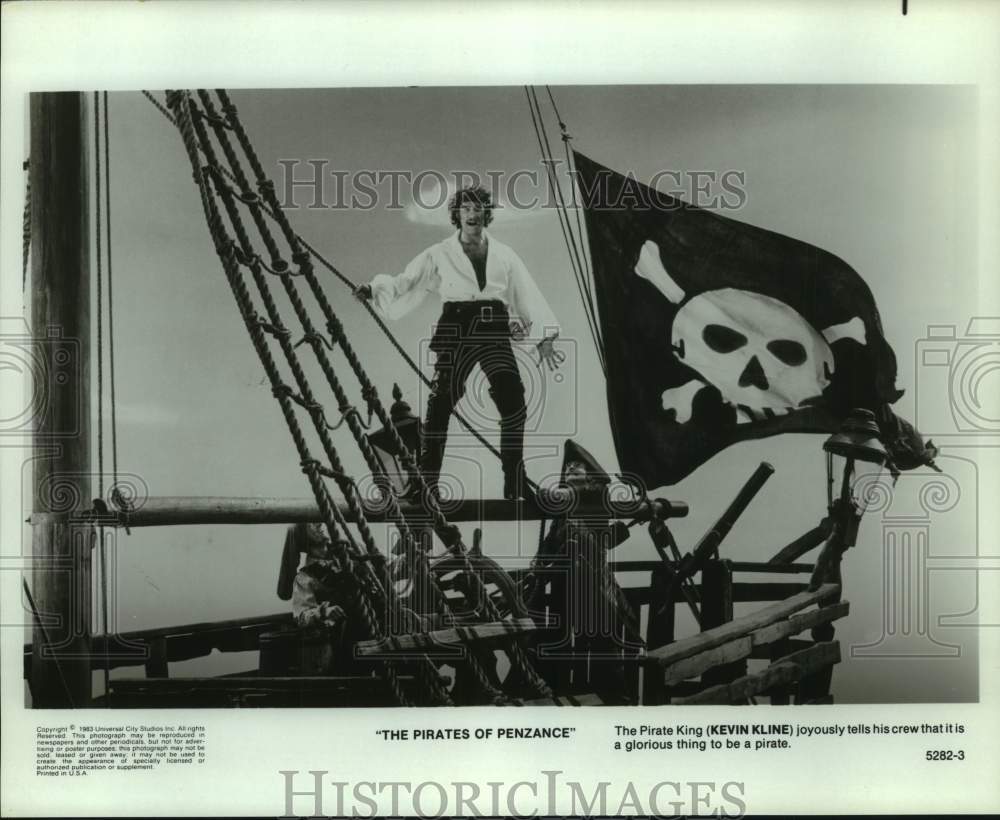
716,331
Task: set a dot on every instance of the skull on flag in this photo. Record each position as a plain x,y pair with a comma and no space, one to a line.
716,331
759,353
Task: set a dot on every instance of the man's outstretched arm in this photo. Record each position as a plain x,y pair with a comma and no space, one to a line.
395,296
528,303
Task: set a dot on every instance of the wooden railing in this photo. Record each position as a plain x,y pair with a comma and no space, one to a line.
711,666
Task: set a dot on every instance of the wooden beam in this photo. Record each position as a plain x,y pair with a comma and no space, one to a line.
721,656
183,642
450,639
60,324
712,638
744,647
800,623
804,543
789,669
184,510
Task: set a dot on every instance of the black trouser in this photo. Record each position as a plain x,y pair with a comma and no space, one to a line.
471,333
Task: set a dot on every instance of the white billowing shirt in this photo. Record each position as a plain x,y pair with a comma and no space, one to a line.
444,268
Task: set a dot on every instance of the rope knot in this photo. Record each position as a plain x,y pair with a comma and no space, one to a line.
282,391
335,328
370,395
278,331
314,338
310,466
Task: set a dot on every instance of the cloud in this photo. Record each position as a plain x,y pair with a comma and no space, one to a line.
431,207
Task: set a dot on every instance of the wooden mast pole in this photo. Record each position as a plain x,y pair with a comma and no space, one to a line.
60,324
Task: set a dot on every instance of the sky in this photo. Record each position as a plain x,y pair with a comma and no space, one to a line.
882,176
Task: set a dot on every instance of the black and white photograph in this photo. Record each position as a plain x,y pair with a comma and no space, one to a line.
328,398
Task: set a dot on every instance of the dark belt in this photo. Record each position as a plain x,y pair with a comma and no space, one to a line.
486,310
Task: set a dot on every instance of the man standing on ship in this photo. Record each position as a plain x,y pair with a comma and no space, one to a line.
489,299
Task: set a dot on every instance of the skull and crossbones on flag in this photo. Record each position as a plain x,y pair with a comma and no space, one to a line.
716,331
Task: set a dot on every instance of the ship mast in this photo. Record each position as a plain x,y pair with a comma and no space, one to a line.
60,324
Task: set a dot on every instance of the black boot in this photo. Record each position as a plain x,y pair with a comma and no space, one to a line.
516,485
435,435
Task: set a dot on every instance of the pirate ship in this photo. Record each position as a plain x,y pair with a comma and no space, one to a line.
575,627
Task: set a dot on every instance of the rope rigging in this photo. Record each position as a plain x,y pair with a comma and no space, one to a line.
575,245
26,223
336,331
331,268
376,602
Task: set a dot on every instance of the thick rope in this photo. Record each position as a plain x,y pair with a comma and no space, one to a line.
370,310
582,268
316,339
26,224
448,533
180,103
386,596
272,208
571,170
363,574
582,285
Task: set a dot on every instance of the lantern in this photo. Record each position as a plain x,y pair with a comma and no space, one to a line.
857,440
408,427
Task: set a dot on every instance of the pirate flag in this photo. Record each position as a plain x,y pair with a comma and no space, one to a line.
716,331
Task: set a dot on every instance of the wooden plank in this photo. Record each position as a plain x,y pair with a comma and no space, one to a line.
789,669
773,651
712,638
273,621
744,647
763,591
760,566
804,543
236,635
635,566
800,622
455,636
691,667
